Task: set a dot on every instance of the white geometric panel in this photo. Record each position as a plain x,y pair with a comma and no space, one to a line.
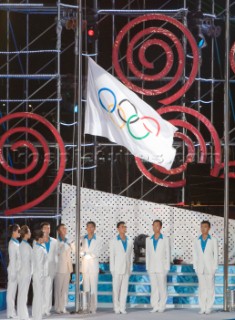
106,209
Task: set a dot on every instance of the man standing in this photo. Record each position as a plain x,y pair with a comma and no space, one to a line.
51,248
121,263
91,246
64,269
205,263
158,265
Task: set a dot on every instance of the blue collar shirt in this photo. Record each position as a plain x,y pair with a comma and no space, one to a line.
204,242
15,240
124,242
155,241
89,240
47,244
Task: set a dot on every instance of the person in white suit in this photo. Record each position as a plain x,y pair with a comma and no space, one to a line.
64,269
121,263
13,270
25,273
40,272
205,263
91,246
158,265
51,245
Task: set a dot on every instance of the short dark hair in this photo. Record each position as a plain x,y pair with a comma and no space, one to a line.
38,234
13,228
23,231
206,222
159,221
60,225
91,222
120,223
44,224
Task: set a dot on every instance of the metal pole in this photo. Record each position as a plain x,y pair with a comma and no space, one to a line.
7,93
226,153
78,64
212,83
58,96
26,96
95,7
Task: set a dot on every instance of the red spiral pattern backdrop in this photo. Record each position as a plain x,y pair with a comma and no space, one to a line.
231,57
167,42
191,152
35,156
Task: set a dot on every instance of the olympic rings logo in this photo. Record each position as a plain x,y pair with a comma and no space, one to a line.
127,120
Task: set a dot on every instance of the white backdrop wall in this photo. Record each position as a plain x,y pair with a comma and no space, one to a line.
106,209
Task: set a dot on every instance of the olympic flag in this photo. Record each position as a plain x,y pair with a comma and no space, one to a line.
115,112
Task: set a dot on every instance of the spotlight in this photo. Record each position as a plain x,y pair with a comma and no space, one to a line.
92,32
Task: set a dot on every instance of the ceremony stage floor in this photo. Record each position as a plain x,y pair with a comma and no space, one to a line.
140,314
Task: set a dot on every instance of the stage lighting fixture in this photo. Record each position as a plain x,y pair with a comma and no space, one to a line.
92,33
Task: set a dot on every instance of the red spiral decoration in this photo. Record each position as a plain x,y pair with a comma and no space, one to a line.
231,174
231,58
171,41
191,152
35,157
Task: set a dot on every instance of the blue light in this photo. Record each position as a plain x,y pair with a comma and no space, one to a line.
76,109
201,43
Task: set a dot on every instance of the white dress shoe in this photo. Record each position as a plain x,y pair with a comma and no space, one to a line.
123,311
65,311
201,311
154,310
161,310
208,311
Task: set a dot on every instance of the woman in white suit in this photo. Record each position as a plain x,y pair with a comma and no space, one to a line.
205,263
13,270
40,271
51,245
25,273
158,265
91,246
121,263
64,269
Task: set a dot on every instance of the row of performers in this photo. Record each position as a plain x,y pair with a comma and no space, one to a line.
49,262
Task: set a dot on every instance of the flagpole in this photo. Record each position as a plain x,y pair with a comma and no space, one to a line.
78,96
226,154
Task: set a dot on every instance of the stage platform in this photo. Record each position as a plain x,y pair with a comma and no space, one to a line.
3,293
182,287
140,314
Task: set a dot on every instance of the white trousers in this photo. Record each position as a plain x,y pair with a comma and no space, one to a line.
120,291
61,291
38,297
158,290
11,295
206,291
22,298
47,304
90,284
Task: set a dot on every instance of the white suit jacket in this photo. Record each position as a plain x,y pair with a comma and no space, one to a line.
207,261
26,257
65,250
121,261
158,261
14,260
52,257
40,261
90,254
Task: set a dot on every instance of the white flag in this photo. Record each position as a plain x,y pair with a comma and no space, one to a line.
115,112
